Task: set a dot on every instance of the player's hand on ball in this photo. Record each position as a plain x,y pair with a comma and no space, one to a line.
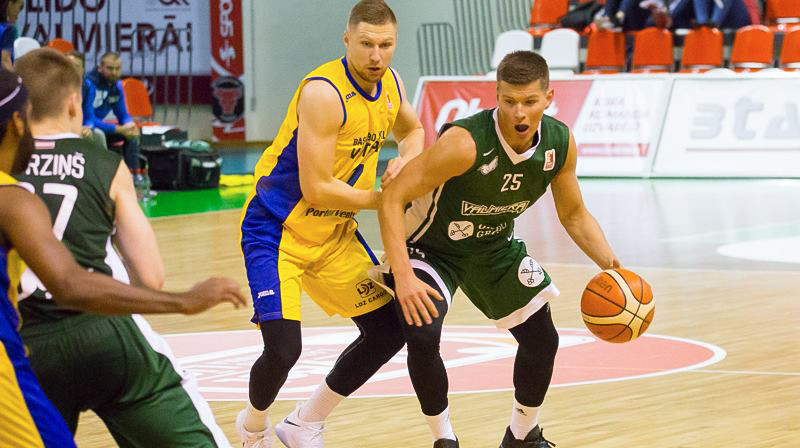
211,292
414,297
392,170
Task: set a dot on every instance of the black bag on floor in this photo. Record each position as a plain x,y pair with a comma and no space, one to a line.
183,167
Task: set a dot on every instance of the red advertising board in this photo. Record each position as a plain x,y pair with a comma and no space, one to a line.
227,69
614,121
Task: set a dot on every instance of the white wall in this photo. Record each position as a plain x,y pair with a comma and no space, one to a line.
284,40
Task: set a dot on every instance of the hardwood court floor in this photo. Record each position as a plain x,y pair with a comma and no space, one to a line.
667,231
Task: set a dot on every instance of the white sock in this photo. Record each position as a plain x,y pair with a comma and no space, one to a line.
320,405
440,425
255,420
523,419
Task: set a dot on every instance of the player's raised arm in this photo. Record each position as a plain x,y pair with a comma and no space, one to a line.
576,219
134,236
450,156
409,134
26,224
320,115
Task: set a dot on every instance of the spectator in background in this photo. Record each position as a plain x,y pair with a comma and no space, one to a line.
633,15
713,13
9,12
96,135
105,95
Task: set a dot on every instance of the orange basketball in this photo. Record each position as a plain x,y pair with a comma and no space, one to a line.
617,305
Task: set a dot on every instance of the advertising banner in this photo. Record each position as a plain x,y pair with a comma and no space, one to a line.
227,70
746,127
615,121
146,32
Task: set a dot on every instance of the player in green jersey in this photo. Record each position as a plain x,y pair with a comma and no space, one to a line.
135,384
465,192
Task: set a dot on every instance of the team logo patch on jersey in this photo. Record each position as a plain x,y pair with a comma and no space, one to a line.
459,230
489,167
549,160
530,273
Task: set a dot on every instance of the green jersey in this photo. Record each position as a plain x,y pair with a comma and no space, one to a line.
73,177
474,212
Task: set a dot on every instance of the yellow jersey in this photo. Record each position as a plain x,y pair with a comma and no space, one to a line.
11,268
367,121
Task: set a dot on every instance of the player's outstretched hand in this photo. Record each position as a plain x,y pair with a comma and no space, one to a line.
392,170
414,297
211,292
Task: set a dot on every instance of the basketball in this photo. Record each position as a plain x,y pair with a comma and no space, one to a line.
617,305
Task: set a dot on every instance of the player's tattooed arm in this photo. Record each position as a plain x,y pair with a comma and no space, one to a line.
450,156
25,223
576,219
320,115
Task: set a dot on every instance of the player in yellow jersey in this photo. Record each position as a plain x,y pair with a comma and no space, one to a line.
27,418
298,231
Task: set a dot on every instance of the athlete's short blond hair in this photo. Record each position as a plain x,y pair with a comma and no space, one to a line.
373,12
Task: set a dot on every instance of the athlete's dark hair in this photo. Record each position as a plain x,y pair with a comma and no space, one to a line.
374,12
523,67
49,77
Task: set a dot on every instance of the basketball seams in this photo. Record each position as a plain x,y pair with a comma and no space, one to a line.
629,297
622,308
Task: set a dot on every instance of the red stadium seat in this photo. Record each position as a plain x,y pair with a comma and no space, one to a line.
64,46
783,15
545,15
652,51
137,100
702,50
605,52
752,49
790,53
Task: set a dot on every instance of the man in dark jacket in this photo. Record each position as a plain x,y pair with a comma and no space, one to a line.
105,95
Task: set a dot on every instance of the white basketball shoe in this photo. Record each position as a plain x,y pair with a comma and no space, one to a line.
296,433
259,439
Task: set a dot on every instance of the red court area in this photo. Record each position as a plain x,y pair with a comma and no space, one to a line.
478,359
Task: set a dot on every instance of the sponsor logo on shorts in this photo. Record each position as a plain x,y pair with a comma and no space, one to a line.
265,293
549,160
530,273
489,167
458,230
347,214
366,288
470,209
484,230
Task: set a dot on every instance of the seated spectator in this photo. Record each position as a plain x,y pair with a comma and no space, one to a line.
9,12
89,132
105,95
629,15
712,13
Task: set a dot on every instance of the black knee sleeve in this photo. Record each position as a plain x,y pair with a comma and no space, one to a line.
425,365
533,366
379,340
282,347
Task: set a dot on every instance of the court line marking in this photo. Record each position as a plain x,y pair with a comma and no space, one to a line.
746,372
718,354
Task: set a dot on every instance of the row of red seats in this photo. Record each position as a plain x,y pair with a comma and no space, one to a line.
780,15
753,50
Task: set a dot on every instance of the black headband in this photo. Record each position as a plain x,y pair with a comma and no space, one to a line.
13,102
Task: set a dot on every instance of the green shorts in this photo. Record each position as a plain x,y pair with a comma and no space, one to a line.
507,285
123,371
